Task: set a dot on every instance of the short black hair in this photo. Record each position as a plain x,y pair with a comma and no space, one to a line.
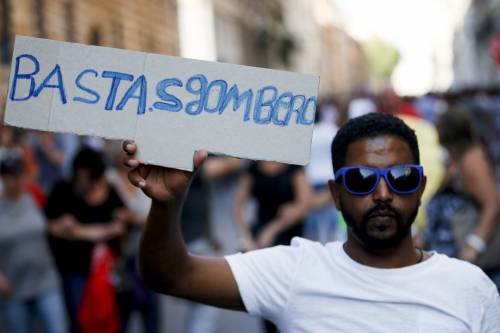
11,162
91,160
369,126
456,129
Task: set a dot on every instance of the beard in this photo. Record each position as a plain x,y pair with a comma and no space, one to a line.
376,242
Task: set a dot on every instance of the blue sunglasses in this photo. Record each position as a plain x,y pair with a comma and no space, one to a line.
362,180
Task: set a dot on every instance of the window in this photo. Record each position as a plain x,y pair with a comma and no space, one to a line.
95,36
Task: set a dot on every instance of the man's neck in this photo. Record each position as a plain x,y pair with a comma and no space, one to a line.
405,254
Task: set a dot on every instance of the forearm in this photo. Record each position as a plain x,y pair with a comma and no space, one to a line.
487,223
68,228
294,215
55,156
163,256
241,223
4,286
101,232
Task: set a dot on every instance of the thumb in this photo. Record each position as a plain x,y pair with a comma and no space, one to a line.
199,158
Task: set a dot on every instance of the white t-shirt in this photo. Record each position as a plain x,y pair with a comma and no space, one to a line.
309,287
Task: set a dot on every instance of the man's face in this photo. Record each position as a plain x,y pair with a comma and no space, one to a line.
382,219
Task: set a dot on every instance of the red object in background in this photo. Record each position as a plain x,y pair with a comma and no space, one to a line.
37,194
495,48
409,110
98,311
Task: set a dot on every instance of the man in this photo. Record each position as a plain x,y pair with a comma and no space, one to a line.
375,282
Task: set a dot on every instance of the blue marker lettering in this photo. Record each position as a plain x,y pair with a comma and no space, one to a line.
26,76
60,85
260,104
117,77
220,99
283,102
170,102
302,119
234,94
296,109
142,84
87,90
195,107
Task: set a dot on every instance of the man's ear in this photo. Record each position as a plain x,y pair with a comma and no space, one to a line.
334,191
422,187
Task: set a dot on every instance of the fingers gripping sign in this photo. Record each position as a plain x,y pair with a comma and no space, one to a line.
159,183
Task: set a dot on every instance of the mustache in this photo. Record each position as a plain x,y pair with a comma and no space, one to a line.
383,208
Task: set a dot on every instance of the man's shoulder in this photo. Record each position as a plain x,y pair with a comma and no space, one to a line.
457,265
299,248
314,247
462,274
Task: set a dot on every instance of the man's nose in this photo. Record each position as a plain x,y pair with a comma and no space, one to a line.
383,192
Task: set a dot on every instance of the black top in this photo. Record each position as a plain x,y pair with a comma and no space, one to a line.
195,215
270,192
74,256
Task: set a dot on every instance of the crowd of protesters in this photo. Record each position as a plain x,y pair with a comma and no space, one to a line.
70,221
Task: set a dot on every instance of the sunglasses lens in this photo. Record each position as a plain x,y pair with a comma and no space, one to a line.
404,178
360,180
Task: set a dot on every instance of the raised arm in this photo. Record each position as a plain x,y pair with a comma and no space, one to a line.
165,263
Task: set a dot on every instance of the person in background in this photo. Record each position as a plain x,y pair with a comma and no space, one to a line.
12,138
197,231
29,283
283,196
53,154
132,294
82,213
470,175
322,223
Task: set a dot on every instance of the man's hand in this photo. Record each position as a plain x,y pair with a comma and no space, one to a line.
164,185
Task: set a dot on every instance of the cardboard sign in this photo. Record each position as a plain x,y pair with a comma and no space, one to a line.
170,106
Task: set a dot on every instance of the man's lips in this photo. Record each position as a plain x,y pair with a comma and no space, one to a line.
382,214
382,219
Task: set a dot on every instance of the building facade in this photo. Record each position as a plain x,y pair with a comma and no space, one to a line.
296,35
142,25
477,46
324,48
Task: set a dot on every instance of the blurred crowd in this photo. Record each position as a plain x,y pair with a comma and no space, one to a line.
70,222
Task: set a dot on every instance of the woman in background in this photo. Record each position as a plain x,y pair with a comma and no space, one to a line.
283,196
28,278
470,175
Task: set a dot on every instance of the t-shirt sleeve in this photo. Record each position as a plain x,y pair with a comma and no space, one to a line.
491,315
266,277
